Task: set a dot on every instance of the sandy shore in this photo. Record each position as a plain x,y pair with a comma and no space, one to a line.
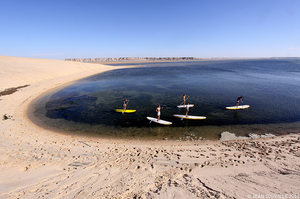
37,163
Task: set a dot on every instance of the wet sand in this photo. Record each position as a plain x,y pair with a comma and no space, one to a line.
38,163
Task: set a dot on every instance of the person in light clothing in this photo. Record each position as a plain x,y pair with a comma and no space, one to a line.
187,109
158,112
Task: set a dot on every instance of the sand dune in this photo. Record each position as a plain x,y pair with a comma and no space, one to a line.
37,163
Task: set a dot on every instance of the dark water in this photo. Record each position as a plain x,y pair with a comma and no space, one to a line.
270,87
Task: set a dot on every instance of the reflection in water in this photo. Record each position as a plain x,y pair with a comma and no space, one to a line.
86,107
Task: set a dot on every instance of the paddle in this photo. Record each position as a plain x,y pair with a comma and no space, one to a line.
185,100
84,143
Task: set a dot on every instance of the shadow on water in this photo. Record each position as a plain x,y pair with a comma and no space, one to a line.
271,87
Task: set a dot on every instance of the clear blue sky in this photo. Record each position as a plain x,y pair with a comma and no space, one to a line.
59,29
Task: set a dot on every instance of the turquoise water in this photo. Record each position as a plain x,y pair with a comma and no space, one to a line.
270,87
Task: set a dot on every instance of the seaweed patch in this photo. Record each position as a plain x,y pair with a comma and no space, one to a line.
10,91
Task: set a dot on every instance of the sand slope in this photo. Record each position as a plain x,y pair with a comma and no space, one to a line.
37,163
16,71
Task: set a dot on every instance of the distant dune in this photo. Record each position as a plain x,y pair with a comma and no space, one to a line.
17,71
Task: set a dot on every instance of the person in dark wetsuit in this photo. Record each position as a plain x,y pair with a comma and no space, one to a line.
238,100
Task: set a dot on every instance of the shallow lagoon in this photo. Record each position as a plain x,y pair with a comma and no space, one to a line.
270,87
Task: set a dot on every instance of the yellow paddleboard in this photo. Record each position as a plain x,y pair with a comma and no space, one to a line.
127,111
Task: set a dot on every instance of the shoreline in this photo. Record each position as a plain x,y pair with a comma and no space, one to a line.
36,162
164,61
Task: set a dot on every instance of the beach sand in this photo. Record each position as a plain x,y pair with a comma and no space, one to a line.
38,163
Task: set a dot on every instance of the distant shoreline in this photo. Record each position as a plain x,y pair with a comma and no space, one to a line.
162,59
147,59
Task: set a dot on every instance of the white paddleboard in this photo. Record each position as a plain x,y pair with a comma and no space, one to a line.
152,119
238,107
190,117
184,106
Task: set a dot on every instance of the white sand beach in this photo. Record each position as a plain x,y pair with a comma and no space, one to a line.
38,163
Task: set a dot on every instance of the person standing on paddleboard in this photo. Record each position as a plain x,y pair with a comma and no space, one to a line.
238,100
184,98
158,112
187,109
125,104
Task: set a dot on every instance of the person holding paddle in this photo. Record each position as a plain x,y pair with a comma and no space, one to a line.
187,109
185,98
158,112
239,99
125,105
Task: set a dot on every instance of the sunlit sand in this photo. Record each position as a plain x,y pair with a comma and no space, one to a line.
38,163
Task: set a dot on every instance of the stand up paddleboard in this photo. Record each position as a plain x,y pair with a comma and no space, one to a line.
152,119
238,107
126,111
190,117
184,106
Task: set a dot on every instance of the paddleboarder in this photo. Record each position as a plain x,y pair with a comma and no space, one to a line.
239,99
184,98
187,109
158,112
125,105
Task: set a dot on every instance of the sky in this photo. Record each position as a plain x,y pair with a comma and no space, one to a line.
62,29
